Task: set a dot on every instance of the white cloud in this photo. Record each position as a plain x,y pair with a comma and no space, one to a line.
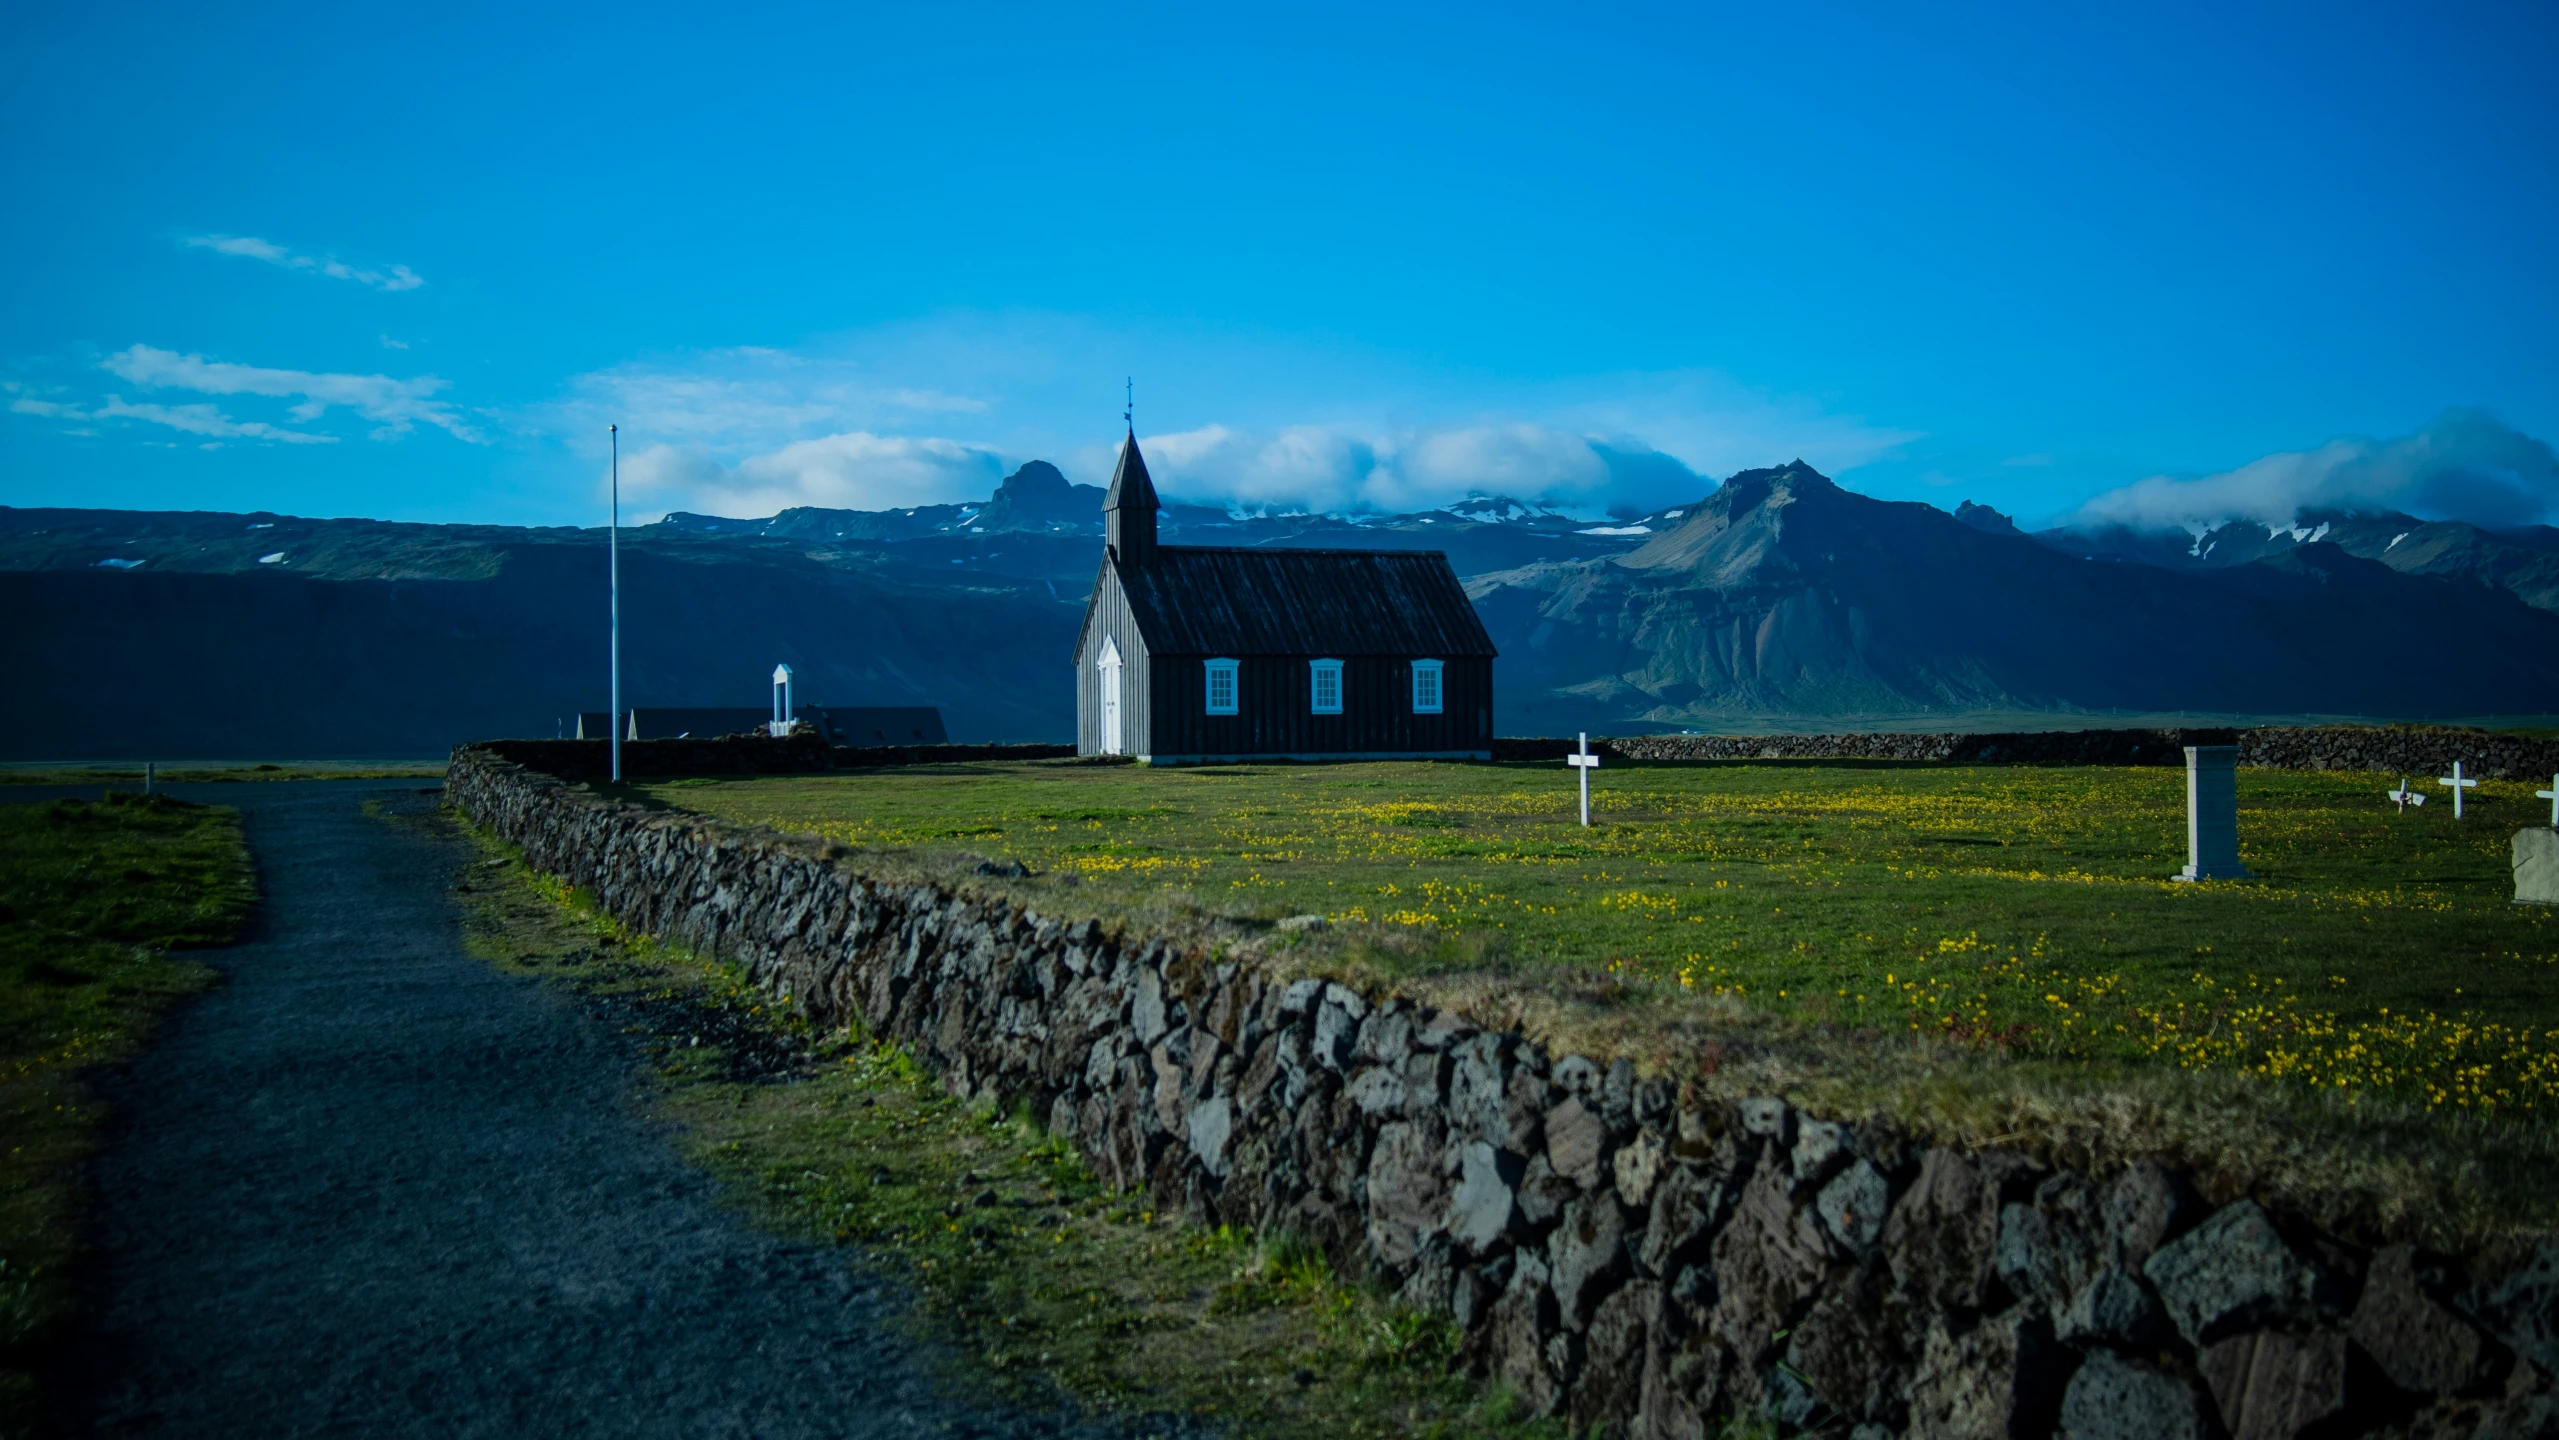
750,398
1263,424
2463,465
393,404
192,419
1317,467
850,471
250,247
204,420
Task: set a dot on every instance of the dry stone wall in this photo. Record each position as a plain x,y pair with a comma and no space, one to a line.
1613,1248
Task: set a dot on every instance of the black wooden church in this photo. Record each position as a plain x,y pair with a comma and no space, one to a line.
1197,653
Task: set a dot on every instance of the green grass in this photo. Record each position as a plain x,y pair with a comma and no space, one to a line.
92,899
1013,1249
2000,937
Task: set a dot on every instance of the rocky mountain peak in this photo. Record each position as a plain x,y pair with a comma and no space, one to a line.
1987,520
1039,495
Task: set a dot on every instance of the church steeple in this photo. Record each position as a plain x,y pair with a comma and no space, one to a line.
1128,512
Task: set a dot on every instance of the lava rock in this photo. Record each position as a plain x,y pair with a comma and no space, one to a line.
1485,1210
2112,1398
2273,1386
1852,1207
2236,1271
2418,1341
1588,1256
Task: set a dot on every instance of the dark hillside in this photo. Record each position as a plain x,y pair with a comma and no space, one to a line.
1786,595
263,664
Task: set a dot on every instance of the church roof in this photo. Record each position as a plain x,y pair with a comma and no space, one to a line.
1217,600
1131,487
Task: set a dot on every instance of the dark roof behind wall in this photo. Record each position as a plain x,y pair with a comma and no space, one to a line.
1203,600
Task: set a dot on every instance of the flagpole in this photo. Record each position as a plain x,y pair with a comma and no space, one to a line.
613,563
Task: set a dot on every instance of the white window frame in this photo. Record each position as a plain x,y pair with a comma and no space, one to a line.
1437,690
1230,672
1317,672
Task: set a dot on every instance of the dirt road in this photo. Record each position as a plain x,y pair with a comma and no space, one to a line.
370,1186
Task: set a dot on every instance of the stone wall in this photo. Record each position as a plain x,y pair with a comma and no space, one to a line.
2401,749
1613,1248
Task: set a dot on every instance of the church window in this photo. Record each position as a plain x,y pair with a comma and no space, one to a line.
1327,687
1221,687
1426,686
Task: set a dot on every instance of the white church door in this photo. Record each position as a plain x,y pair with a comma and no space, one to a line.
1109,669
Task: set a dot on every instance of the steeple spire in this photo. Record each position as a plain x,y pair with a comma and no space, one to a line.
1128,512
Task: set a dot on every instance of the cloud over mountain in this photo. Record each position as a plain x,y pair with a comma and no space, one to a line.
1317,467
852,471
887,417
2462,465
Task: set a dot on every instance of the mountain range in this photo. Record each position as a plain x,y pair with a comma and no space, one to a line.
1779,601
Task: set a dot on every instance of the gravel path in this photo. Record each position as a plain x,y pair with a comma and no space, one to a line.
371,1186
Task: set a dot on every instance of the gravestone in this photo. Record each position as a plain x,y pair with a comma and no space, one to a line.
2537,867
2212,814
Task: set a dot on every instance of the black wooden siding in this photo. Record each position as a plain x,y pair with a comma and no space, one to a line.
1274,694
1273,611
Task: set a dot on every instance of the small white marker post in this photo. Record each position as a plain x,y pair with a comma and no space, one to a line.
2458,785
2552,795
2404,796
1585,762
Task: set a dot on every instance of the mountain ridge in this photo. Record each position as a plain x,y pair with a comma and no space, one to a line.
1780,599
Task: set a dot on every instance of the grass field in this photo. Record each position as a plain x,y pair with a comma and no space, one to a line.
93,897
2022,915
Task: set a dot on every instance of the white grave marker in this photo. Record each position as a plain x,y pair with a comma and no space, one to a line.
1585,762
2404,796
2458,785
2552,795
2212,814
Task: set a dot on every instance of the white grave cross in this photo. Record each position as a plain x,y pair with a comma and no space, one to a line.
2458,785
2404,796
2552,795
1585,762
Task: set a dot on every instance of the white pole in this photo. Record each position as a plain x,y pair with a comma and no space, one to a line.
1585,769
613,575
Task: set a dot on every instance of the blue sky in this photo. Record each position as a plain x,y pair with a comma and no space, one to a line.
408,263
